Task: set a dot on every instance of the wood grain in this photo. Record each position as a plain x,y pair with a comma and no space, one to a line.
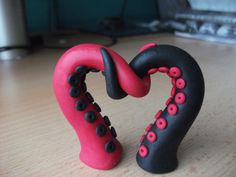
36,140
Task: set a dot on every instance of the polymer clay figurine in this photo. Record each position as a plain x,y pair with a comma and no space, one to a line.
99,147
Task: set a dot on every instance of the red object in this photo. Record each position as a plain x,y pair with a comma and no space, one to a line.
151,136
161,123
152,71
172,109
163,69
180,83
148,127
172,93
158,114
143,151
142,138
147,46
93,152
173,82
180,98
168,101
174,72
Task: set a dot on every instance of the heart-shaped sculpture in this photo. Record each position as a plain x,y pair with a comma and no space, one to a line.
99,147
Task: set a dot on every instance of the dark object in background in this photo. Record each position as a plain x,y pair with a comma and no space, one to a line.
54,23
13,38
108,29
208,25
208,16
119,26
209,20
68,40
168,8
113,23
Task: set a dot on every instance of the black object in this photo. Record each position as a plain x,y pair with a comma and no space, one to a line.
107,121
163,158
83,87
162,154
113,132
82,70
168,8
112,85
73,79
90,116
110,146
113,23
101,130
81,105
94,70
89,96
97,107
13,47
74,92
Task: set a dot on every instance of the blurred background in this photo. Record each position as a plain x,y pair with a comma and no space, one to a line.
26,25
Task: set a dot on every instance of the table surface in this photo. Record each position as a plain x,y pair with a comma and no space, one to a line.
36,140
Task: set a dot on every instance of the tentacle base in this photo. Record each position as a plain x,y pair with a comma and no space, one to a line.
165,164
96,158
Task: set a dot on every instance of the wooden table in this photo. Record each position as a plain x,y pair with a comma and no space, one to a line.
36,140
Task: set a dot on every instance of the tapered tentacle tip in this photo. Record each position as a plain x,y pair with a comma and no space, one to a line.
157,165
112,85
102,160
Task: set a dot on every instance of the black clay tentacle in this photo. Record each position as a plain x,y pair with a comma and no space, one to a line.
112,85
162,153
